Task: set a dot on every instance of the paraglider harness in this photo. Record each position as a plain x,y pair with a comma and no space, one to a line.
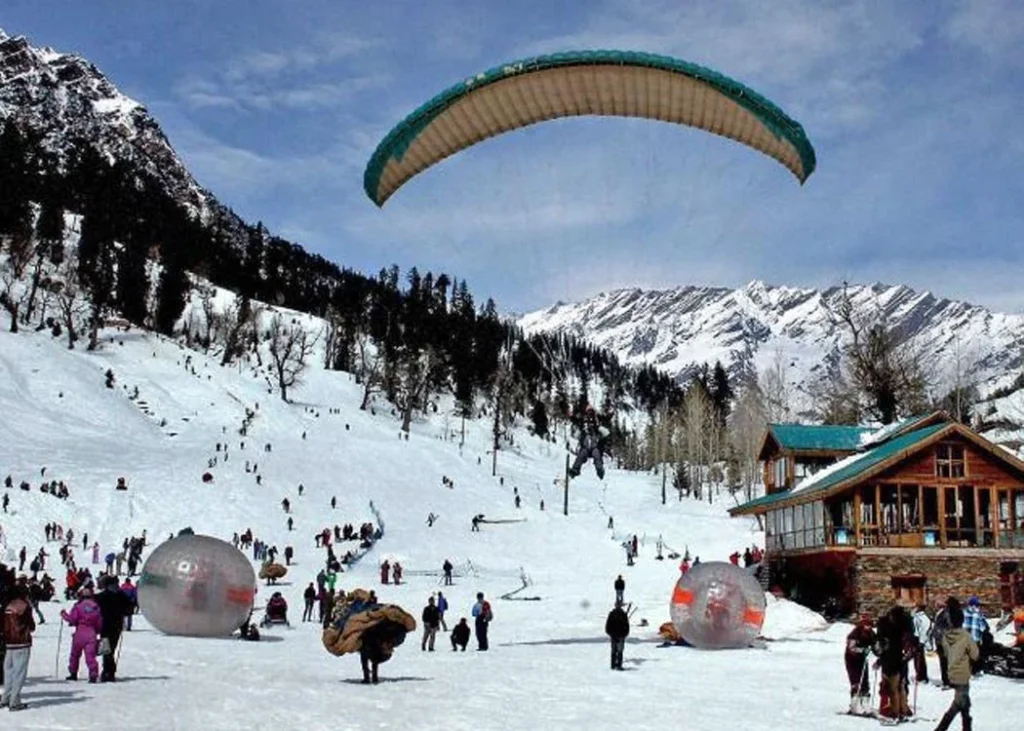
593,440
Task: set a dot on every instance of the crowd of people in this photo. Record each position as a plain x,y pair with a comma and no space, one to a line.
900,639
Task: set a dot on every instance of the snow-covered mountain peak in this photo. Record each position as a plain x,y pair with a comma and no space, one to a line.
679,329
68,103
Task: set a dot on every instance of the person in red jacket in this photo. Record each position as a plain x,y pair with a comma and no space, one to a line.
18,628
858,645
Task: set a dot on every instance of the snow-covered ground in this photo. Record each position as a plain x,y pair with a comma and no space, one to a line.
548,663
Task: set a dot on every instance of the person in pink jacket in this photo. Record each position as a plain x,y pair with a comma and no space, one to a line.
87,620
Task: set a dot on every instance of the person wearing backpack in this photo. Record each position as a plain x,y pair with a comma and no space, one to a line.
483,615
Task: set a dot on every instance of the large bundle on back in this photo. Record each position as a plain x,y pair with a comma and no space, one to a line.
272,571
360,624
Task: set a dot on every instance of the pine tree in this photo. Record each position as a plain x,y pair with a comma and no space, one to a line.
172,293
133,279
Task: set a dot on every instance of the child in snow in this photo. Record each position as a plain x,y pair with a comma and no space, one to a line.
87,620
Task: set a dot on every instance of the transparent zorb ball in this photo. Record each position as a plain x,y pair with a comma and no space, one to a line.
196,586
717,606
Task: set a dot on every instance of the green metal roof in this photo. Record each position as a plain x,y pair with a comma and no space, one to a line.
809,437
398,140
847,469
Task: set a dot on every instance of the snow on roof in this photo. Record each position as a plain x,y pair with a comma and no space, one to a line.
822,474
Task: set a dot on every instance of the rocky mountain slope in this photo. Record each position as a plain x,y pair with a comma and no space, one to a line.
748,328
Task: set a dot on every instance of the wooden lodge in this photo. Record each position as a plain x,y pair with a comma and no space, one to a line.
909,513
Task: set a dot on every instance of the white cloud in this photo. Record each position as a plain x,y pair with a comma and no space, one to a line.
993,27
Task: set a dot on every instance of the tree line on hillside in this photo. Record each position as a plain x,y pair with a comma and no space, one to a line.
408,337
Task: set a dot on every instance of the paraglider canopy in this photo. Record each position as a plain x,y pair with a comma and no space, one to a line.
602,83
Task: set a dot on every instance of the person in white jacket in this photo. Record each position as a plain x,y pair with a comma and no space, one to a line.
923,633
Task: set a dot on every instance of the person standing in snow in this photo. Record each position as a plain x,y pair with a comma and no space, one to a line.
961,652
617,628
385,572
922,632
940,627
87,620
114,606
310,596
484,616
447,568
396,573
130,591
17,632
442,607
620,589
976,625
431,621
858,646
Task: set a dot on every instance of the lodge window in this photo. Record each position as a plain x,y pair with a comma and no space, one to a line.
780,472
909,590
802,526
949,461
1009,516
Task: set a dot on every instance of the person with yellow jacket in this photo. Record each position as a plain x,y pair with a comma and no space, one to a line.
961,651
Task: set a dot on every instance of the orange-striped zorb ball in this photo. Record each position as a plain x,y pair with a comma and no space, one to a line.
197,586
717,606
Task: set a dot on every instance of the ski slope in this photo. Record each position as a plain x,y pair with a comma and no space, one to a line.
548,663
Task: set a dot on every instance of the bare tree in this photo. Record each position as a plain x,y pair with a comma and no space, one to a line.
746,429
19,254
72,304
883,365
290,348
776,390
238,328
369,368
699,420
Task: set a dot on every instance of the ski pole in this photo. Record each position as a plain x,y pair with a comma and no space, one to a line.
56,661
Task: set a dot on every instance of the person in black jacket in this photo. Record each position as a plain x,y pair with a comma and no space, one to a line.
617,628
460,635
894,649
114,607
431,623
309,595
620,589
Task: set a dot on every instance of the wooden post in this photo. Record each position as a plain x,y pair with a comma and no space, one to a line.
565,504
857,507
942,514
878,514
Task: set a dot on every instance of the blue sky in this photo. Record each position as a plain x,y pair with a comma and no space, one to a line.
915,109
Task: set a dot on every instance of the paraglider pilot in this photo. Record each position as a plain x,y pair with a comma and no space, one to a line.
591,445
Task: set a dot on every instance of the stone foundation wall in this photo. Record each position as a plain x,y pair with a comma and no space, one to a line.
960,576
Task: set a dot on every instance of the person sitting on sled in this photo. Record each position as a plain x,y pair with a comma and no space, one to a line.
592,439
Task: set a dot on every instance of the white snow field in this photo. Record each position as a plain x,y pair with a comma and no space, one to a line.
548,666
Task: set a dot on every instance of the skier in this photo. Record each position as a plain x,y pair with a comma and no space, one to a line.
617,628
858,645
460,635
961,651
484,616
620,589
431,621
310,596
87,620
591,444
